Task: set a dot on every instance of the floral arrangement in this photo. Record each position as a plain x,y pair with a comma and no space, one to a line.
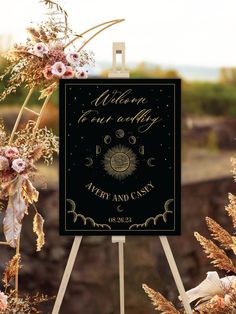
214,295
46,56
18,173
10,302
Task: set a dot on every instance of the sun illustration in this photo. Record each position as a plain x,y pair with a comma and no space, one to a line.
119,162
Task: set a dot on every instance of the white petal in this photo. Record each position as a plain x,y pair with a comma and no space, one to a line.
208,287
227,281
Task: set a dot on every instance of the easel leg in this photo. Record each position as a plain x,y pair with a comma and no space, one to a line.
122,275
121,240
67,274
175,273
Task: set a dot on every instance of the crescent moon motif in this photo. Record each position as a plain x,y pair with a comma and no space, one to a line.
89,162
119,209
150,162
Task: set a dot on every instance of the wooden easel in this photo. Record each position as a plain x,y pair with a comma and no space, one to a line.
119,48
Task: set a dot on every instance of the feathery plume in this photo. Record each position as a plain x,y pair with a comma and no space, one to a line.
217,255
233,161
231,208
160,302
219,233
10,270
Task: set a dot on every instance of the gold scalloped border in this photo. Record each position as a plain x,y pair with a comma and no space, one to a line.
84,219
155,219
143,225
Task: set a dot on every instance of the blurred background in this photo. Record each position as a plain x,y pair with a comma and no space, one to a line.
165,39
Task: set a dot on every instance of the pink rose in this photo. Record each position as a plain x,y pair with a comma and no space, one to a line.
59,69
81,73
3,301
4,163
69,73
18,165
47,72
11,152
73,57
40,49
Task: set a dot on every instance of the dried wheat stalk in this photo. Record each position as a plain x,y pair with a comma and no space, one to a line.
217,255
233,161
231,208
219,234
10,270
160,302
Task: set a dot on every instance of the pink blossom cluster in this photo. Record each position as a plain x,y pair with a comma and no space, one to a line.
3,301
60,65
11,161
220,301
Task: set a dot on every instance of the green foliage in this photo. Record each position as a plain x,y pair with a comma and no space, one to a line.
145,71
206,98
209,98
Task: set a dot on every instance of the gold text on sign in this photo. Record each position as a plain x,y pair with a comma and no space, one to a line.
117,97
125,197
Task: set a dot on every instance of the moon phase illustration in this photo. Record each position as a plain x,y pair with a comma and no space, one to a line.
120,133
107,139
132,139
150,162
89,162
141,150
119,209
119,162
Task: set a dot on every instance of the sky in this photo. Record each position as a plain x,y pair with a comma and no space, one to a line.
171,32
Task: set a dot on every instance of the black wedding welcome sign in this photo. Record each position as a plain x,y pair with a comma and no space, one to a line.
120,157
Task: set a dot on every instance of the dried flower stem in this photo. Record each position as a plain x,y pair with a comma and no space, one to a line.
10,271
161,303
231,208
53,4
233,161
217,255
17,268
219,234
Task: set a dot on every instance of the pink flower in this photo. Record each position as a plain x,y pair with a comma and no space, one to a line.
18,165
11,152
40,49
69,73
4,163
59,69
217,301
81,73
56,54
3,301
47,72
73,57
